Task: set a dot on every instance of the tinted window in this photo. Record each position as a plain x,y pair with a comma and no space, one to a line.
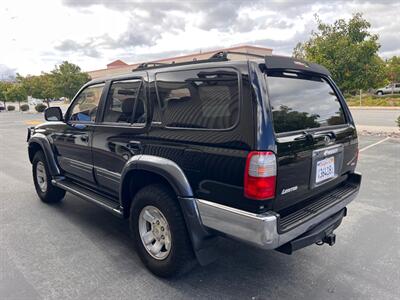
156,105
207,99
84,108
126,102
302,102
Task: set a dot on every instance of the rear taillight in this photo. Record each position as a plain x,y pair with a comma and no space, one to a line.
260,175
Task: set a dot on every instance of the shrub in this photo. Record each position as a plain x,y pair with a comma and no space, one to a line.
398,121
10,107
40,107
24,107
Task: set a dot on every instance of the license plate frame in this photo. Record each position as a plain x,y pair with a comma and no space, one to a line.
335,151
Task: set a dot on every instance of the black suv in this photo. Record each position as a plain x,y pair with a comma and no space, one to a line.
263,151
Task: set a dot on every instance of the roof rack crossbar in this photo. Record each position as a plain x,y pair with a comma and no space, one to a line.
148,65
155,65
224,54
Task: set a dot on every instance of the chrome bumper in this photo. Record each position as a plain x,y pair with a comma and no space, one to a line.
260,230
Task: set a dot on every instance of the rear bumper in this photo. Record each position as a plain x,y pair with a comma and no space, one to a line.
264,230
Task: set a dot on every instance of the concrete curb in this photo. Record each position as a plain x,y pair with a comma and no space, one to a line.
378,128
393,132
374,107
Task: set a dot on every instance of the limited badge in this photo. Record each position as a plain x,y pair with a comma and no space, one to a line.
291,189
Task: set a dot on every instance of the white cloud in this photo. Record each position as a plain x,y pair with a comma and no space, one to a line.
36,35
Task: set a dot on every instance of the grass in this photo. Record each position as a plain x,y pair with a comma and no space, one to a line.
374,100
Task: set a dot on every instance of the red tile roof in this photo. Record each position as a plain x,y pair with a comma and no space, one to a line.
116,63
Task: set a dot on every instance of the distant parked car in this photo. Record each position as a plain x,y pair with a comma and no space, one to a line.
2,107
389,89
35,102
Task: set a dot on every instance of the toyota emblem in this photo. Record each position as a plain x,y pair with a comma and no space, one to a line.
327,140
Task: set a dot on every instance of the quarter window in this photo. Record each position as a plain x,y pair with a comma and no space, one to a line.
126,103
202,98
84,108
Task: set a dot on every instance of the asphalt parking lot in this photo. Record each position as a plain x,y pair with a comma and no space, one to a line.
75,250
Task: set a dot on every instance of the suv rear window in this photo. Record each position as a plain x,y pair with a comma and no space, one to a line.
201,98
301,102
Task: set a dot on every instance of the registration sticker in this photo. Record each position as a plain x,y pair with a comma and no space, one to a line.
325,169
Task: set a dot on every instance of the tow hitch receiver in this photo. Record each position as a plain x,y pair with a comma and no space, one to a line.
320,234
330,239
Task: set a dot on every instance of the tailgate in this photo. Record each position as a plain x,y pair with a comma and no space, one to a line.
316,140
310,165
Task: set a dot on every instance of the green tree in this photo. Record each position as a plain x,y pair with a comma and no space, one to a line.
40,87
68,79
393,69
349,50
4,86
16,92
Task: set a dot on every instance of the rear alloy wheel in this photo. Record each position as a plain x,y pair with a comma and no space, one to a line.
159,232
41,177
380,93
154,232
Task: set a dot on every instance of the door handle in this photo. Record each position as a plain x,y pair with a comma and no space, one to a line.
306,136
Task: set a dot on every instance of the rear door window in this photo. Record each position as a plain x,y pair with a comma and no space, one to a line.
301,102
199,99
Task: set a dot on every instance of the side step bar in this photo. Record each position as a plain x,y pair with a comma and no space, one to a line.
89,195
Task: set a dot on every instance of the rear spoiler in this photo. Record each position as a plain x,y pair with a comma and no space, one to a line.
273,62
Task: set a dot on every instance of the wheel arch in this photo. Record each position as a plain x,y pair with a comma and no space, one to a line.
147,169
39,142
141,170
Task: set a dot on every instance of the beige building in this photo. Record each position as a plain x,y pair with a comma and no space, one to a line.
119,67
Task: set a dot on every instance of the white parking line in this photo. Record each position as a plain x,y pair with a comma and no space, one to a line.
374,144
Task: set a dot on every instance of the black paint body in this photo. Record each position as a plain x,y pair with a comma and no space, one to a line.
99,155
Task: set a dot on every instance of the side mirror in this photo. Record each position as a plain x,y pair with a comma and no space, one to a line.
53,114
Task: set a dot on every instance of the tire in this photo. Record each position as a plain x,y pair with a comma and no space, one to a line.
46,191
180,258
379,93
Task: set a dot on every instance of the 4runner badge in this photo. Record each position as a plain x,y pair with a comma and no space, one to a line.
292,189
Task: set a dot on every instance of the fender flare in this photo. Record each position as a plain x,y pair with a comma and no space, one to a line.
164,167
202,240
44,144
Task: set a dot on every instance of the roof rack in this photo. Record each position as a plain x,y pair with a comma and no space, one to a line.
219,56
149,65
224,54
162,65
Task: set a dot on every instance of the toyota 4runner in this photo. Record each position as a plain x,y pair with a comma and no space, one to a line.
263,151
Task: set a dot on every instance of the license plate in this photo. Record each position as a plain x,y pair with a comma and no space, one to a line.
325,169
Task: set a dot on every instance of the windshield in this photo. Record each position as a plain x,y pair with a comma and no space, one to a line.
301,102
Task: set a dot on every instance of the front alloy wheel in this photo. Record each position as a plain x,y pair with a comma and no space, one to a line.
41,177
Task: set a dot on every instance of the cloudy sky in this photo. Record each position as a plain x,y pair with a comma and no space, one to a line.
36,35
